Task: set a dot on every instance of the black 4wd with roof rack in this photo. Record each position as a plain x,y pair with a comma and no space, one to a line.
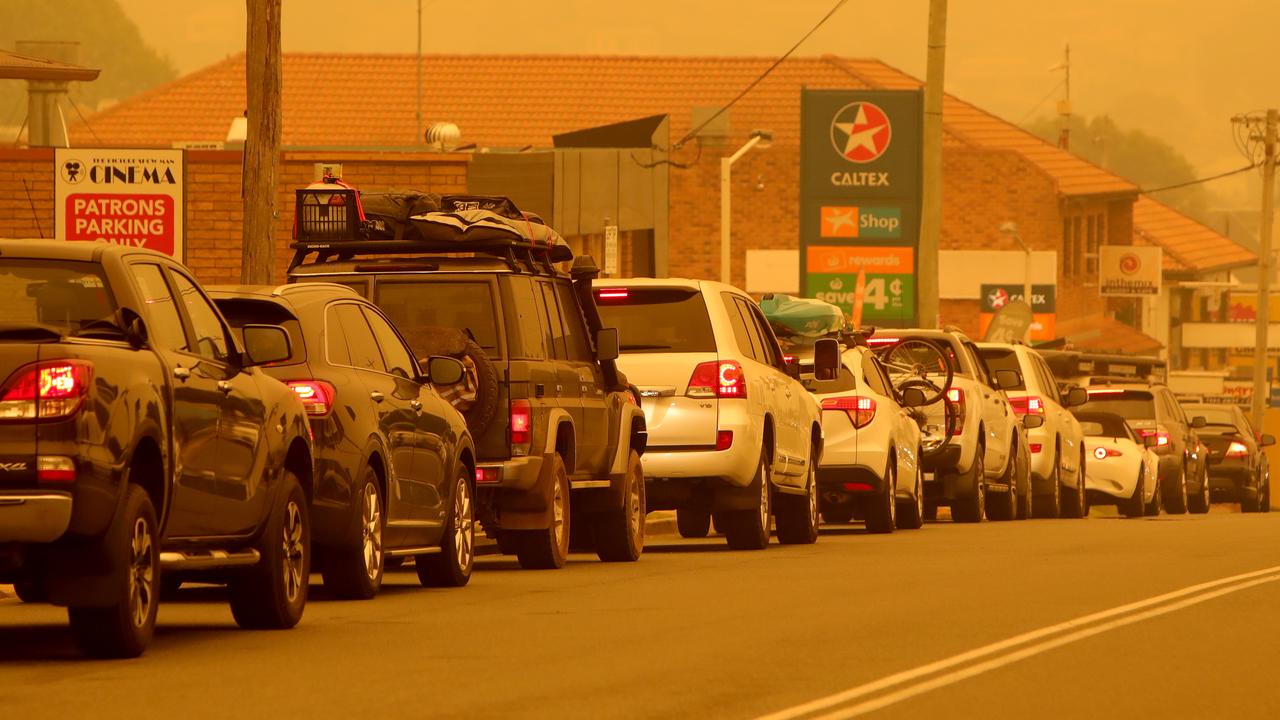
558,432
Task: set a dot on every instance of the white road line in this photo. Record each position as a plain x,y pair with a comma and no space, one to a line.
997,662
905,676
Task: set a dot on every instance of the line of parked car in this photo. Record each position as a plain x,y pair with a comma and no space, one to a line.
430,374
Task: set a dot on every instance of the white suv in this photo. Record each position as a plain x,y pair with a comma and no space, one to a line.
983,449
1057,446
732,432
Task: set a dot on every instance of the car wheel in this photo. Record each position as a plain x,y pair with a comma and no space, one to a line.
1250,502
30,590
749,529
1175,499
1049,505
931,512
451,567
1134,506
972,507
911,512
1266,496
798,516
1075,502
124,629
273,594
1005,505
1157,499
354,572
619,532
882,510
548,549
1199,503
693,522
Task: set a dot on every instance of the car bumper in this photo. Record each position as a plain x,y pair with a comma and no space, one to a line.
1229,477
848,480
518,473
946,460
735,465
34,517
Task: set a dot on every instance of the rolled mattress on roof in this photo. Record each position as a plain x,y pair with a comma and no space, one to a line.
802,317
388,213
484,227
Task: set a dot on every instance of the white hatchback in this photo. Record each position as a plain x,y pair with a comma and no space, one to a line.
1122,468
732,432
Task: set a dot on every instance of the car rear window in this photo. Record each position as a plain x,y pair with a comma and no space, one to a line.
1128,404
415,307
667,320
65,296
1223,417
998,359
249,311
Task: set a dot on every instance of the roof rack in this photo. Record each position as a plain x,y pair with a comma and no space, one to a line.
1107,366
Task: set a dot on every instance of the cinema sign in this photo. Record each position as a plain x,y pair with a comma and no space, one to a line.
127,197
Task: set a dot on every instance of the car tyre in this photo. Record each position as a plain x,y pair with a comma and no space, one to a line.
970,508
30,590
797,516
1152,508
1135,506
1199,503
1175,502
911,512
619,532
749,529
693,522
451,567
1005,506
1075,501
124,629
881,514
548,549
272,595
355,571
1049,505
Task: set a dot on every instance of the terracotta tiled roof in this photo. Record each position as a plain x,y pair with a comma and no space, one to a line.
1189,247
23,67
1100,333
512,101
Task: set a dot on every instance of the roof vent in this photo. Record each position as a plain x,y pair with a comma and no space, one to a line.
443,136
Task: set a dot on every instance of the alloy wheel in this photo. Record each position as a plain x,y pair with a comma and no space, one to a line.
142,573
766,512
464,523
293,551
814,520
557,507
371,530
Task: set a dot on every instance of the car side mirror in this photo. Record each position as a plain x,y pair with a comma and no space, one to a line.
1008,379
1198,422
1150,441
264,344
442,370
607,344
1075,397
913,397
826,359
1031,422
1267,440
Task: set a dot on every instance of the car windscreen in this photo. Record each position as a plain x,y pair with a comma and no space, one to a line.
251,311
1128,404
417,307
1219,417
657,320
67,297
998,359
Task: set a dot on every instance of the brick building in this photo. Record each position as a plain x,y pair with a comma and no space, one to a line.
359,110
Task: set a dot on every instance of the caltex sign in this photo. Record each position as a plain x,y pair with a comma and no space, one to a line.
860,177
126,197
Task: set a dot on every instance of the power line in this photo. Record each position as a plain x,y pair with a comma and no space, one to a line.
1229,173
692,133
1040,104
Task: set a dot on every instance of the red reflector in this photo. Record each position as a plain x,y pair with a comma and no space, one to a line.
724,439
521,422
858,487
1036,447
488,475
316,395
613,294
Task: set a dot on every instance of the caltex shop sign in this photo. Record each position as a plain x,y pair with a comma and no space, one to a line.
860,199
126,197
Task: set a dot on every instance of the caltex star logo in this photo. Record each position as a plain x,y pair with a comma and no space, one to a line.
860,132
998,298
839,221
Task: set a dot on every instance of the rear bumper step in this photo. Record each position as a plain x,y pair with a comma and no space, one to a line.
207,559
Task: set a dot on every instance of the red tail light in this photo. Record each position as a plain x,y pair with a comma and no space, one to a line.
861,410
521,424
717,379
955,398
1027,405
1162,437
1237,450
1102,453
55,469
46,390
316,396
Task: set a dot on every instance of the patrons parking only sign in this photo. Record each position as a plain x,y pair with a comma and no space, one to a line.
126,197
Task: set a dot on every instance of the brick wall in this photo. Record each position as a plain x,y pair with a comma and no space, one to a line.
214,206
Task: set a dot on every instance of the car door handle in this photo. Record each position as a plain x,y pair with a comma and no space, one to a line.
375,396
181,373
224,386
416,405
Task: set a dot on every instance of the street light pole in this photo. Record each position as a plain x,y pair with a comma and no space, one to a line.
1011,228
931,210
758,137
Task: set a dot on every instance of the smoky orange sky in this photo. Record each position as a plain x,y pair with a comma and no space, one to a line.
1176,68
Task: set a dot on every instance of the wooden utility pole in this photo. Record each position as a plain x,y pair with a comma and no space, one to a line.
1261,386
931,211
262,142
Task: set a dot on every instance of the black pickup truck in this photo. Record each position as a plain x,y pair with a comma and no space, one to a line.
138,438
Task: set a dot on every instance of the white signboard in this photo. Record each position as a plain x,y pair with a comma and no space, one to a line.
127,197
611,249
1129,271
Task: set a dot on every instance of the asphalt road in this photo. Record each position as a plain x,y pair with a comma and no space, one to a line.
695,630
